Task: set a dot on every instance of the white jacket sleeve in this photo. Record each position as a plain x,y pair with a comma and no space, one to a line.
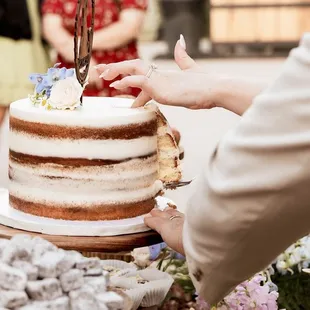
253,199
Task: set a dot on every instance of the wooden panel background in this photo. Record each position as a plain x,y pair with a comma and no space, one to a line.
258,24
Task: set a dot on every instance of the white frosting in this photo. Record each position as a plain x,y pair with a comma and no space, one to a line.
83,199
89,149
95,112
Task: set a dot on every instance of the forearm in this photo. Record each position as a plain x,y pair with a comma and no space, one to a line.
237,94
58,37
112,37
119,33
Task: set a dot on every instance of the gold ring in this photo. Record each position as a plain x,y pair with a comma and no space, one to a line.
174,217
151,69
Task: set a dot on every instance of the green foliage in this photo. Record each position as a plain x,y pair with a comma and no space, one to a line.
294,290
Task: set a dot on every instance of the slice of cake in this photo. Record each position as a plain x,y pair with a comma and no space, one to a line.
168,150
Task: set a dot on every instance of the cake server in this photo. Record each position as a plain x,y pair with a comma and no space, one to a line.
83,41
174,185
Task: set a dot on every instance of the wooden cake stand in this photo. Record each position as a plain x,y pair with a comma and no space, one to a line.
103,247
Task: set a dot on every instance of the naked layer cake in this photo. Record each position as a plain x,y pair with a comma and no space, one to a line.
98,161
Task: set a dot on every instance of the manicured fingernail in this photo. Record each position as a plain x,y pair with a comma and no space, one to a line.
182,42
114,84
98,66
104,74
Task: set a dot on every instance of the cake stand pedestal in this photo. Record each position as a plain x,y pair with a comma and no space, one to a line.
92,245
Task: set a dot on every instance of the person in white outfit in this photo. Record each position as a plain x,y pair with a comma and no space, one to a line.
252,199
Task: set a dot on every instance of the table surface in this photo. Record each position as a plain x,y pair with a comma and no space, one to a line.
115,244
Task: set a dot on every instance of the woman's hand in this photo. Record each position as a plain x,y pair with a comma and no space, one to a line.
58,37
93,75
121,32
171,229
187,89
190,88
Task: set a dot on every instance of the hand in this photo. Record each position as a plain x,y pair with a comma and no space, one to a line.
93,75
190,88
176,133
66,49
170,230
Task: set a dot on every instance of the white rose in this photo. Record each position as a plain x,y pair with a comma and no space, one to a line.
66,94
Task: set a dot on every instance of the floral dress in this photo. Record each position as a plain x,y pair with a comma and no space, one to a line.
107,12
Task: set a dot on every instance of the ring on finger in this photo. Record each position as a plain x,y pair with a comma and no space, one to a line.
151,70
171,218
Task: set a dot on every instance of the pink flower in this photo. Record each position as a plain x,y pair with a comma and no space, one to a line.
254,294
201,304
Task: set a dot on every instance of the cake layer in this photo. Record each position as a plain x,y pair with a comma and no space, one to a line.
83,148
71,162
82,197
125,170
125,132
130,175
93,213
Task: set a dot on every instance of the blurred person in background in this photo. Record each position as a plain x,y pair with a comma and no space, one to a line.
118,24
22,50
187,17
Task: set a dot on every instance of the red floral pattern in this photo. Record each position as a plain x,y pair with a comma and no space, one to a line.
107,12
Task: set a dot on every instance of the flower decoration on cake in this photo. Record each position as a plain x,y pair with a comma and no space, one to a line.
57,89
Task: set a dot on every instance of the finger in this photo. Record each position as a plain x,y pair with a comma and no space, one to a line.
100,67
155,223
182,59
173,212
98,82
142,99
128,67
137,81
126,96
159,213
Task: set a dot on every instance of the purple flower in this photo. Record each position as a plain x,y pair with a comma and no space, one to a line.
255,293
202,304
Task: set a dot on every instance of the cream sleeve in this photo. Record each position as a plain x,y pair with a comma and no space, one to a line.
253,199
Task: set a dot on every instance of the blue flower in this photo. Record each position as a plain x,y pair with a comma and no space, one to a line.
156,249
177,255
41,81
56,74
45,82
70,72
